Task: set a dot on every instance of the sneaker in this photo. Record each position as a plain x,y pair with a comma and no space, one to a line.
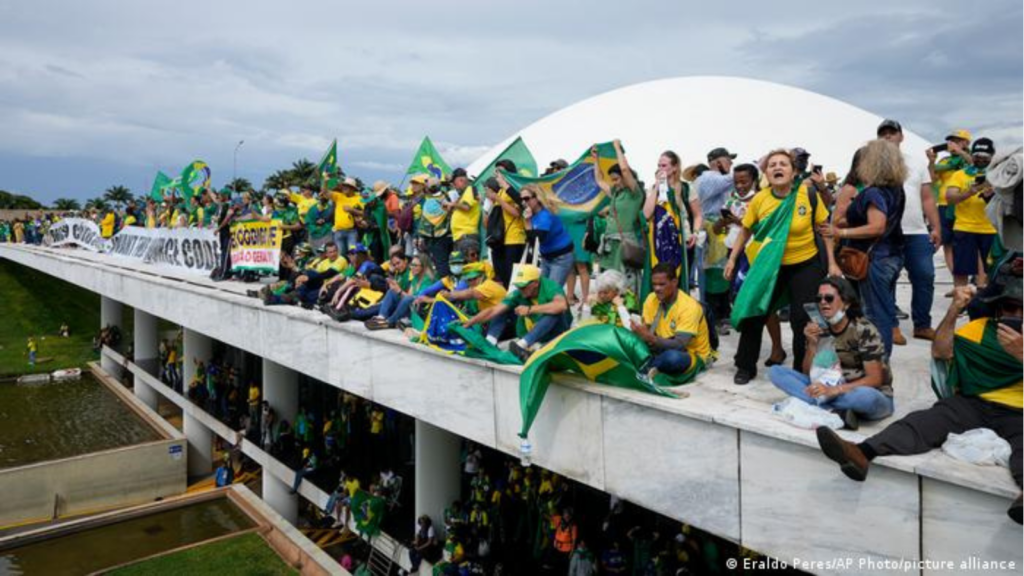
850,419
522,353
742,377
900,314
898,338
924,334
851,460
724,328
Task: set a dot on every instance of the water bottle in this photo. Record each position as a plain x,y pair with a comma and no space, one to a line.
525,452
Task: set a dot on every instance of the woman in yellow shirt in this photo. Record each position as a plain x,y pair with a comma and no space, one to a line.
801,267
503,198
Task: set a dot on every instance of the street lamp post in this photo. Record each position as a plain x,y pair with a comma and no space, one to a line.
234,162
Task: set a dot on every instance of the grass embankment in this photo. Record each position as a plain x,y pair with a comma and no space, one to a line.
33,303
246,555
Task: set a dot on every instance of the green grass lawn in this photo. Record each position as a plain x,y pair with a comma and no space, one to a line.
33,303
246,555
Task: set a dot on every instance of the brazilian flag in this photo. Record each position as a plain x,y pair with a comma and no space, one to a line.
519,154
769,241
428,161
329,164
600,353
159,183
194,178
442,330
573,191
368,512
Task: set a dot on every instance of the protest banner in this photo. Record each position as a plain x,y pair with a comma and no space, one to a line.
188,249
76,231
256,246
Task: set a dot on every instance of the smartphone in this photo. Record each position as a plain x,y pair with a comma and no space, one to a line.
940,147
726,213
979,179
1011,322
815,315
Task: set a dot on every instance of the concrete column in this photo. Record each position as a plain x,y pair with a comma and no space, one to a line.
111,313
195,347
200,446
278,495
438,471
147,354
281,390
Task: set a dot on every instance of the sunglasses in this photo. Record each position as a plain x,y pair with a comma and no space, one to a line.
830,298
527,198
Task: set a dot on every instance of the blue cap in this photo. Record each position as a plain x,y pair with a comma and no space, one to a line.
359,249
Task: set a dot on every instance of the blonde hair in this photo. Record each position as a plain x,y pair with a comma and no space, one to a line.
881,164
545,200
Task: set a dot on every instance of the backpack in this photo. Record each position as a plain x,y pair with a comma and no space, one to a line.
495,229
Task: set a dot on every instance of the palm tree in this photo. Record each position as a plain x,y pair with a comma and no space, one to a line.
119,195
277,180
98,204
304,173
240,185
66,204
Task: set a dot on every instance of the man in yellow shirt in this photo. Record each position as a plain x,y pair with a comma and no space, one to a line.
481,289
107,224
941,171
347,208
973,232
985,359
303,200
673,327
464,207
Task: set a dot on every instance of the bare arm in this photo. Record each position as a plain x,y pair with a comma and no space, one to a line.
627,172
486,315
931,213
873,229
942,346
650,202
737,248
843,200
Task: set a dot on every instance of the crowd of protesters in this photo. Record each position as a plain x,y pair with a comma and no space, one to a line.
670,261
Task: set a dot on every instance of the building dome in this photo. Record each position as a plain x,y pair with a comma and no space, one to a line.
693,115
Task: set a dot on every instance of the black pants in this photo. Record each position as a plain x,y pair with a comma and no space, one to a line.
800,282
921,431
504,258
223,269
439,249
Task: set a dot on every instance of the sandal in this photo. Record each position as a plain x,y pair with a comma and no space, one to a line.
773,362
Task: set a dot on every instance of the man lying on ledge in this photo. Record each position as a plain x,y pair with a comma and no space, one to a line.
985,359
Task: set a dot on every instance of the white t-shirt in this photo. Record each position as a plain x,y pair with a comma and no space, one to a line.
917,175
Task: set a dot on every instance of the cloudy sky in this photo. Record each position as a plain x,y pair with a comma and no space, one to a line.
99,93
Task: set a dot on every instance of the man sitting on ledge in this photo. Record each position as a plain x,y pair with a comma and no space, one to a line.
309,281
674,327
540,305
985,359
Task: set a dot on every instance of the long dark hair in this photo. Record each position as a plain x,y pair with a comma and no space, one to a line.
852,179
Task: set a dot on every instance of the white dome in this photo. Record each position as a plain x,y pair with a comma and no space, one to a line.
693,115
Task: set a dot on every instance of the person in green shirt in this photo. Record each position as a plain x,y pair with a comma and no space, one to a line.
540,306
320,222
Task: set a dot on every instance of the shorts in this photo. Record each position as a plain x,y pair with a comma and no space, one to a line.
946,224
967,247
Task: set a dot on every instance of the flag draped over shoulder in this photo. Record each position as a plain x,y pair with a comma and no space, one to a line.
600,353
983,365
159,183
519,154
442,330
194,178
769,237
428,161
368,512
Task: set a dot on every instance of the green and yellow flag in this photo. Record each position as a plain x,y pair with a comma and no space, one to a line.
769,242
159,183
329,162
428,161
574,190
519,154
194,178
368,512
600,353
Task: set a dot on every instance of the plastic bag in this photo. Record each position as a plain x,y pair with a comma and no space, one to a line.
825,366
803,415
979,446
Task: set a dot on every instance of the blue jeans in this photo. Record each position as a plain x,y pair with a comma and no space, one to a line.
299,475
557,269
346,239
672,362
878,294
866,402
698,272
396,306
549,327
917,259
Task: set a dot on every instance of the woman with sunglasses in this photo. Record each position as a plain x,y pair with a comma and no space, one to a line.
542,224
865,390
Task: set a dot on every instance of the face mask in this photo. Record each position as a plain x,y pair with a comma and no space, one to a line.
836,318
456,270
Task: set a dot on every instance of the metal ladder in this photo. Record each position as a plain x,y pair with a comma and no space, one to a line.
383,552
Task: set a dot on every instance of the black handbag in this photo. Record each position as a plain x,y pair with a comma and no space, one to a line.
495,230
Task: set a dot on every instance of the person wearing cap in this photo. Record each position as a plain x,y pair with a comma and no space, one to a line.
480,293
922,235
287,214
465,209
225,216
673,327
451,282
347,208
982,363
311,279
957,157
713,187
362,273
319,221
506,199
540,305
973,233
433,226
